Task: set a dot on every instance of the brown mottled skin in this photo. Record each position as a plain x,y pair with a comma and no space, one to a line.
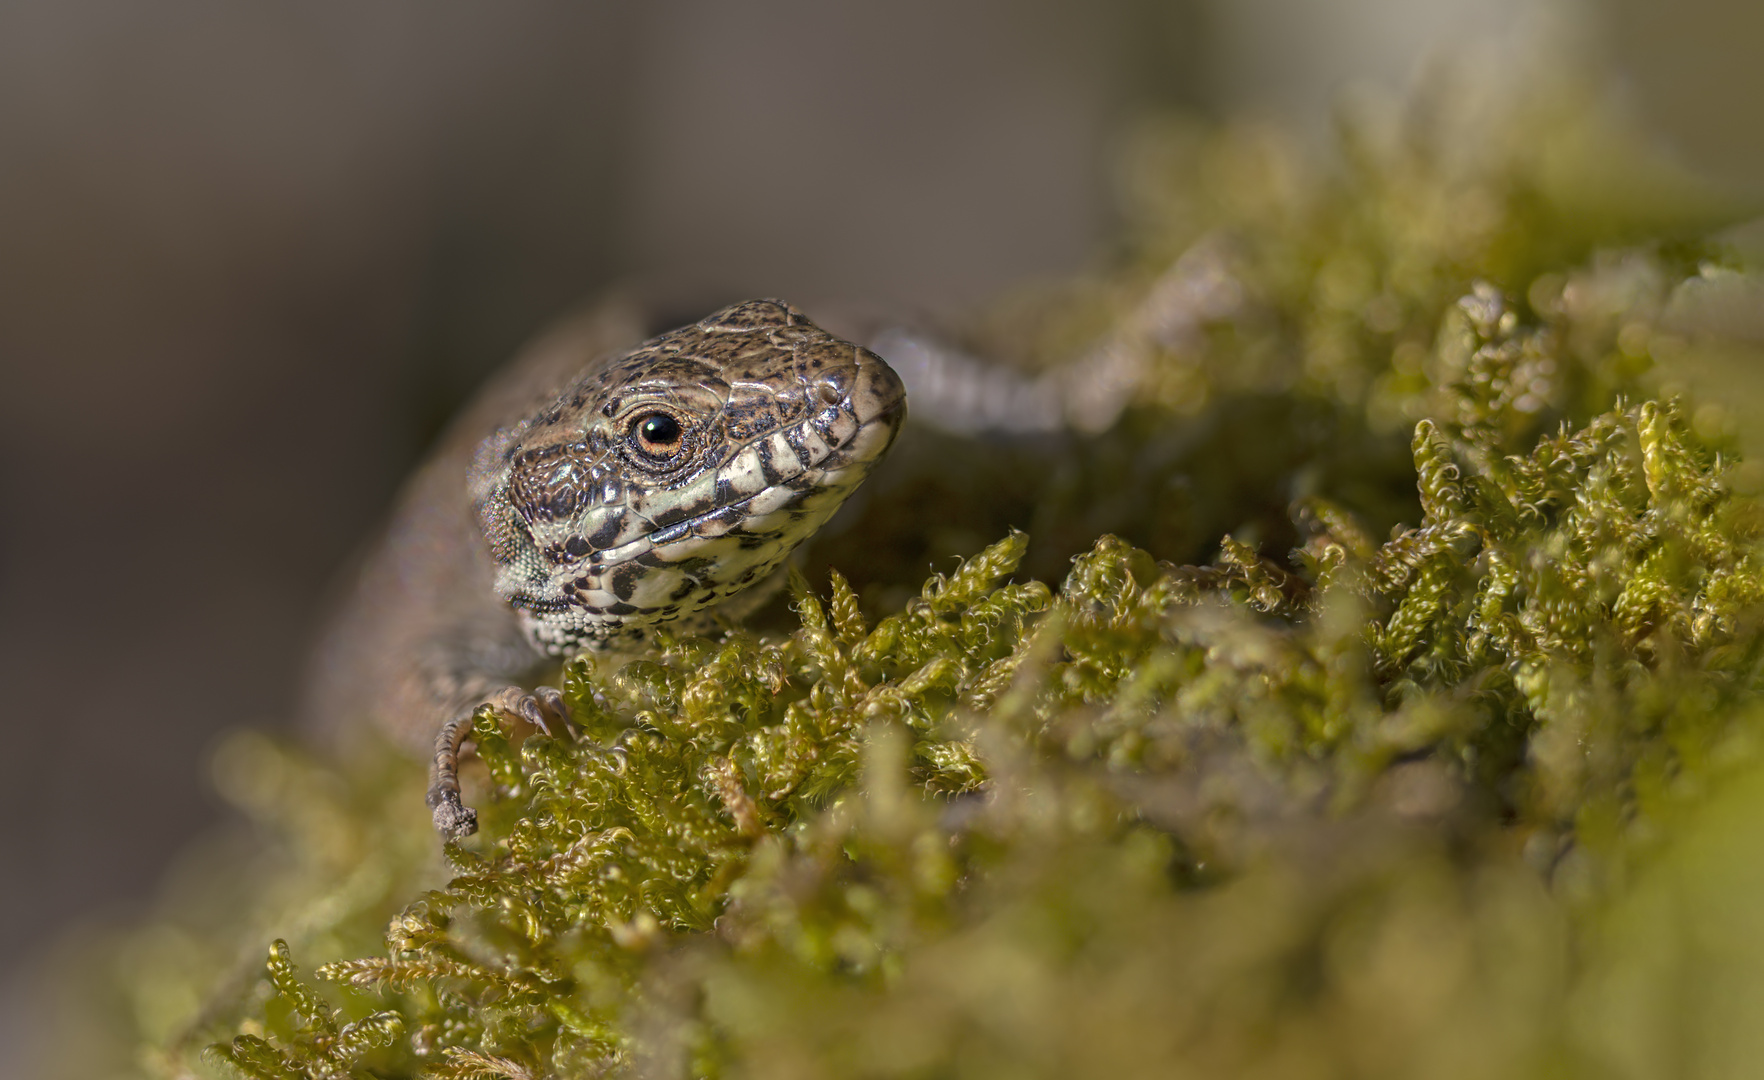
597,489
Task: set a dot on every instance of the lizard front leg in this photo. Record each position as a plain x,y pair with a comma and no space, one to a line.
543,708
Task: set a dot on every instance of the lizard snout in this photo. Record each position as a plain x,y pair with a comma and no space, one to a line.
874,392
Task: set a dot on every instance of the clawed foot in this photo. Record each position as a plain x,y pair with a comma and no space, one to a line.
544,708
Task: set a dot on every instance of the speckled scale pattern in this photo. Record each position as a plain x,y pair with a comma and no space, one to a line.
595,539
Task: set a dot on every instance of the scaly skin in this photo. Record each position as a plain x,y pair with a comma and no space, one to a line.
593,494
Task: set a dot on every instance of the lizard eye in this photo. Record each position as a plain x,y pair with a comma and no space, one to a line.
656,435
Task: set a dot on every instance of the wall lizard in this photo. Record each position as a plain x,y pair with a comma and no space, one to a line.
592,492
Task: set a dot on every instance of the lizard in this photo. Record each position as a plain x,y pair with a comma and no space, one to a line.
598,489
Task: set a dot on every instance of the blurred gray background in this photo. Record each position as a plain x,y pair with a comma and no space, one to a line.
251,255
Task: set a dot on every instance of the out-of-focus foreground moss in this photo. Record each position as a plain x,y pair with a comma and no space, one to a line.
1442,760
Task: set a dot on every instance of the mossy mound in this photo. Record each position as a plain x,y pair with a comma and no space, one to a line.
1482,798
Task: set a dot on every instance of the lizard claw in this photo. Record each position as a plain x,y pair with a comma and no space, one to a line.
551,700
544,708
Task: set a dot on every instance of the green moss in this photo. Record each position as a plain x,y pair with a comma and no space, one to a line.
1452,803
791,847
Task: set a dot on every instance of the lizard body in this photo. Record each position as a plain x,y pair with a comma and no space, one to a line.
595,491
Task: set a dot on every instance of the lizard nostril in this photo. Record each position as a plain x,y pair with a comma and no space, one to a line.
829,392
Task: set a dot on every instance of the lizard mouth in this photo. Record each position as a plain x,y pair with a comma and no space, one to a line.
726,516
798,470
769,489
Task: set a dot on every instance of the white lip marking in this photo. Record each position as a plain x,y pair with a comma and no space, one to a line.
840,428
784,460
769,500
743,472
812,442
625,552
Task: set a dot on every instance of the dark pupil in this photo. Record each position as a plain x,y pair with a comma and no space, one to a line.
660,430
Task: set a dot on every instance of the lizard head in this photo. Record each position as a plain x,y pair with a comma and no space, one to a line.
666,479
